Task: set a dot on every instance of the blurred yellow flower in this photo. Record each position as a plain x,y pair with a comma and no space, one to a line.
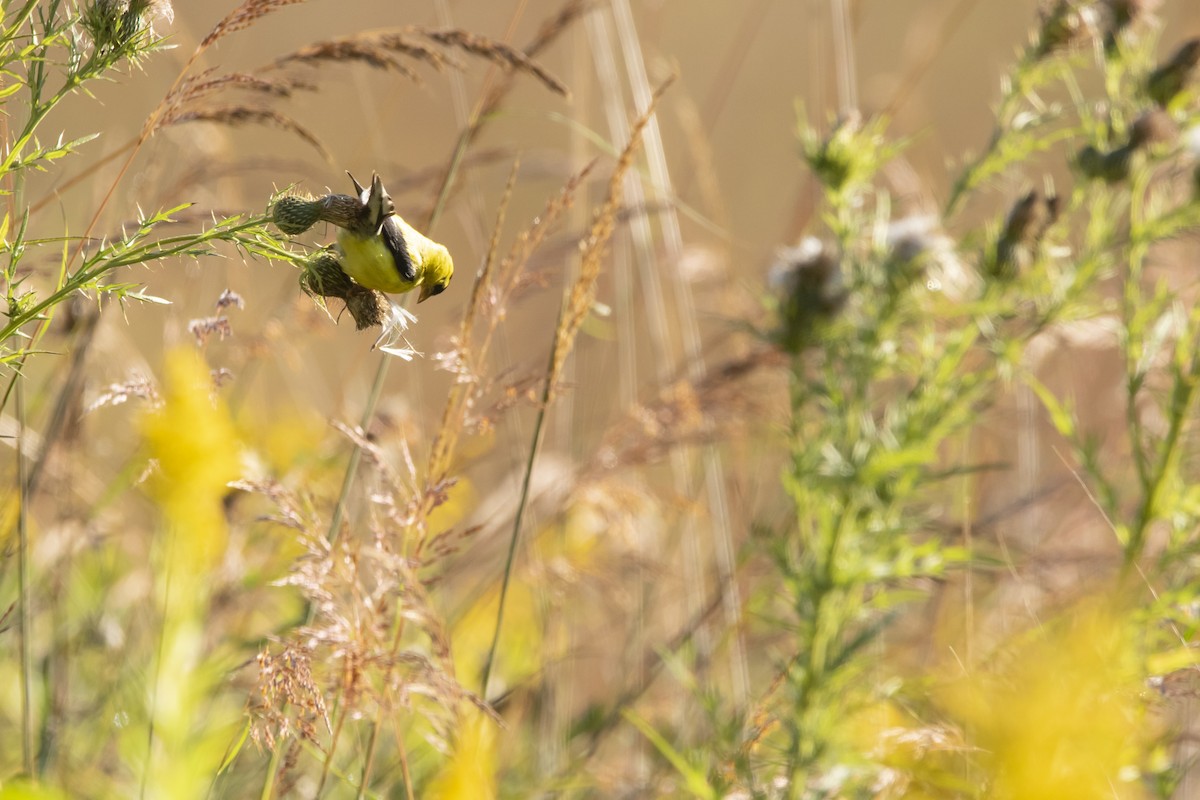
1059,718
520,653
470,773
193,440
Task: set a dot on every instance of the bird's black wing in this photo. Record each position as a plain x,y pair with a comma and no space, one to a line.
393,239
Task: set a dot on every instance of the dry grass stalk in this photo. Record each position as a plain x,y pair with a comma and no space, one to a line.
484,279
376,49
236,114
499,53
548,33
494,96
205,84
382,50
447,436
578,301
376,640
243,17
289,701
494,287
554,26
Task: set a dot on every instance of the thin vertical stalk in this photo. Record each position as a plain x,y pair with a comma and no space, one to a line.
522,502
339,509
843,54
369,762
24,496
651,284
23,589
577,298
685,313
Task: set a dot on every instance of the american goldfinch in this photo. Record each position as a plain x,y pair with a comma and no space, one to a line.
383,252
375,246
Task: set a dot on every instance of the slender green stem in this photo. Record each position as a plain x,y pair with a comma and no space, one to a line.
539,427
339,509
268,789
153,251
1183,397
158,662
327,762
369,763
23,589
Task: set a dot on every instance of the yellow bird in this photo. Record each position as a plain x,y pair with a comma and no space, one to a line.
381,251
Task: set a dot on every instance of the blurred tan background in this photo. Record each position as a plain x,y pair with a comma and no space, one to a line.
728,129
728,125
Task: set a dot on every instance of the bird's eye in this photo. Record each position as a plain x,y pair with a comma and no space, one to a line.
438,288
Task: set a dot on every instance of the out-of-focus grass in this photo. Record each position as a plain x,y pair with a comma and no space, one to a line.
293,606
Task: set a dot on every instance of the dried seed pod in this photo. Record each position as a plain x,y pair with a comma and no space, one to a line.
1026,224
1030,217
1153,129
808,279
1124,14
1169,79
369,308
1064,25
1127,12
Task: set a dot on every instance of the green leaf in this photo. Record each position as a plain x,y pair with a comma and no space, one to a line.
234,750
1061,416
693,779
1172,660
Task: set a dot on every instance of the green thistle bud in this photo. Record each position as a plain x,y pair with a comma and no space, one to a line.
113,24
845,157
102,21
323,277
294,214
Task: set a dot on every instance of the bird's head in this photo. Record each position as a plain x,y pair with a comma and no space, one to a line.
377,203
439,269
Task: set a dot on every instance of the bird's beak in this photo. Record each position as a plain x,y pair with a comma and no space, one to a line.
426,292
